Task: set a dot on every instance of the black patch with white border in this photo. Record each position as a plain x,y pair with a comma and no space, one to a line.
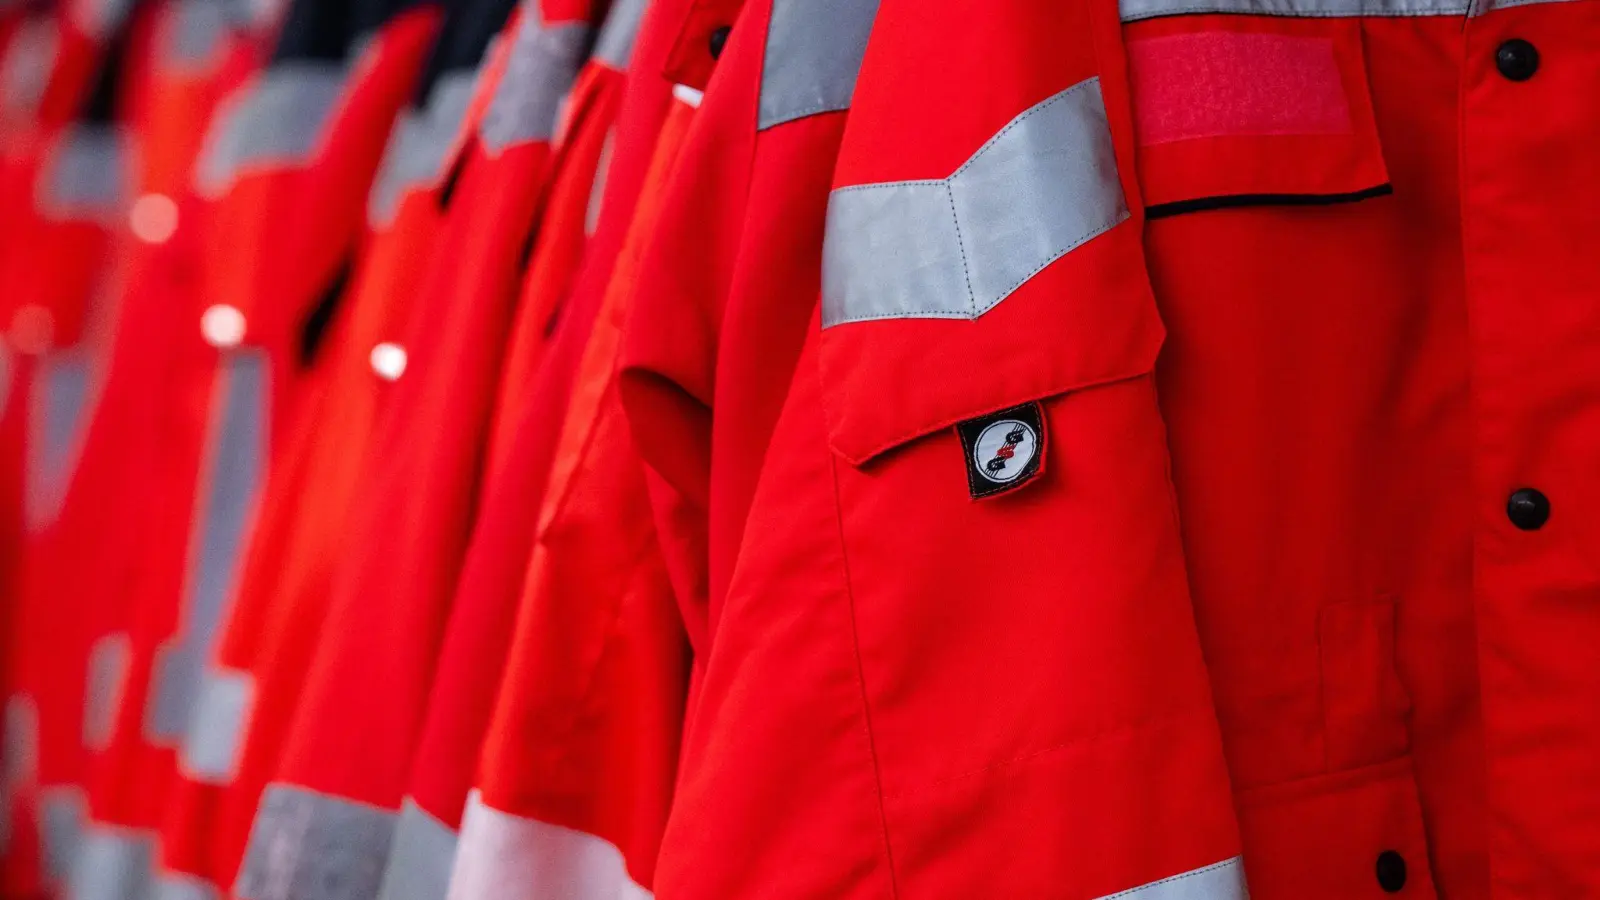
1004,450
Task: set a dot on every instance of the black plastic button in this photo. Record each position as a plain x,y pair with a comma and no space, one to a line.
1517,59
1528,509
719,39
1391,871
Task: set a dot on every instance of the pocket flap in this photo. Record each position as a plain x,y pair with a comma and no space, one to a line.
1250,111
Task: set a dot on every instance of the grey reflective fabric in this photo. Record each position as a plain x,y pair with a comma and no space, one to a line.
310,846
195,30
113,864
211,747
1134,10
278,119
542,65
614,45
418,145
1220,881
60,401
100,18
954,248
420,858
86,177
63,814
510,857
108,673
235,454
173,886
814,50
25,65
19,753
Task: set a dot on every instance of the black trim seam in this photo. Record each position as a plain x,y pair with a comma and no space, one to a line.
1234,201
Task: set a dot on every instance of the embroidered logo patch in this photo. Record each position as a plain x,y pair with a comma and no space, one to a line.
1005,450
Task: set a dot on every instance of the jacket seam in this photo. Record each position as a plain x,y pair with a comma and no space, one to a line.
861,678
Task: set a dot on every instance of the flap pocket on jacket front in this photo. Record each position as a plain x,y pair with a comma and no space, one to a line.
1007,282
1252,111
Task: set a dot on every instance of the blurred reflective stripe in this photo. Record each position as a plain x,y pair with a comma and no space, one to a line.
597,191
193,31
211,747
276,120
108,675
310,846
507,857
59,401
19,754
63,814
543,63
1220,881
112,864
814,51
85,176
236,449
955,248
419,145
173,886
26,63
100,18
420,858
614,45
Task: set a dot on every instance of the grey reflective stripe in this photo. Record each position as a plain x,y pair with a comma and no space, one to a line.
614,45
19,754
420,858
112,864
60,399
1134,10
510,857
310,846
814,51
954,248
277,120
544,61
236,452
63,813
195,30
418,146
108,674
173,886
100,18
26,63
86,176
211,747
1219,881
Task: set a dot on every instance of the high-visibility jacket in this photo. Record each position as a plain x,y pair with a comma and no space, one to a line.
297,142
331,808
300,532
727,289
581,748
1304,277
599,167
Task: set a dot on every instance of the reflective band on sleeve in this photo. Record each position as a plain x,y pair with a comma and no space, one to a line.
420,858
174,886
310,846
814,51
108,675
614,45
954,248
60,398
279,119
25,65
507,857
100,18
1134,10
112,864
418,146
1219,881
211,746
543,64
236,452
195,31
85,178
63,813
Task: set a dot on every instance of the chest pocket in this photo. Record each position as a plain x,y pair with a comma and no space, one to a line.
1236,111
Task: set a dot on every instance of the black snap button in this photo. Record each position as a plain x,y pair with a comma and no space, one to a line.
1517,59
1391,871
1528,509
718,40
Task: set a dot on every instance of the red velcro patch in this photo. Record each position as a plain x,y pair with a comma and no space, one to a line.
1233,84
